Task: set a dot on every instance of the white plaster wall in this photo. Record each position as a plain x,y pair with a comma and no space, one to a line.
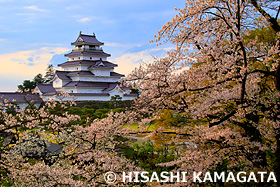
90,98
74,58
64,82
76,68
93,98
116,91
68,90
84,68
75,78
82,90
73,68
82,98
98,72
93,58
59,89
120,92
89,90
86,58
96,79
38,91
57,83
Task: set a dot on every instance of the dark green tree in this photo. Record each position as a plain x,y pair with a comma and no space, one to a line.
39,79
115,100
27,85
49,73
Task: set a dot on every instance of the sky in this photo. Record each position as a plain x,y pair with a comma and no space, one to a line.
36,33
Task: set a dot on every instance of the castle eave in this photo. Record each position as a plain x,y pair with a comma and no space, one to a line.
92,53
87,84
89,94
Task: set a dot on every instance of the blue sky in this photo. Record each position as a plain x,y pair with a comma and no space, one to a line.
35,33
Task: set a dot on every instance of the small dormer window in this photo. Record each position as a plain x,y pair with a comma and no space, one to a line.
101,64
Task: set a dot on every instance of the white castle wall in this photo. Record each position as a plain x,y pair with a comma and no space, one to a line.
58,83
75,68
101,73
82,90
96,79
86,58
89,98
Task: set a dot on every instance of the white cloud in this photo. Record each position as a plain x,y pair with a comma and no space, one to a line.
121,45
128,62
26,14
83,20
72,7
23,65
34,7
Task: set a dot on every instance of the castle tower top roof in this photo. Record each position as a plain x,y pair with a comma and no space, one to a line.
87,39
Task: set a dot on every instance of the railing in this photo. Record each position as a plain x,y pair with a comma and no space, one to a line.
83,49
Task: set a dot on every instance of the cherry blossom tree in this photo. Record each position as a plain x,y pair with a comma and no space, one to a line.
89,151
224,82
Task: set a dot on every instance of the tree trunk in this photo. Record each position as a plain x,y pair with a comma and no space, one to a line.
277,152
277,161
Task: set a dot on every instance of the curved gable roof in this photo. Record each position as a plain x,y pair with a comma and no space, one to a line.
62,75
111,87
102,64
46,88
87,39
